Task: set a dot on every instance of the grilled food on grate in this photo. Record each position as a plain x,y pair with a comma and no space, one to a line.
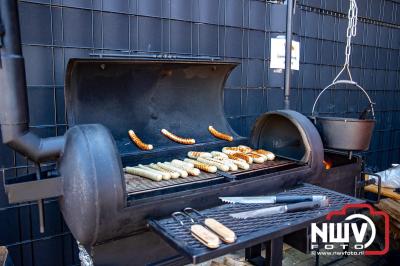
245,149
270,155
230,159
197,154
257,158
186,166
232,166
240,155
220,165
173,174
143,173
165,176
170,167
219,135
230,150
219,154
202,166
242,164
240,148
139,143
173,137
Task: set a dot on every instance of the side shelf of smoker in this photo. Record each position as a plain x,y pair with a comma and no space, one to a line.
250,232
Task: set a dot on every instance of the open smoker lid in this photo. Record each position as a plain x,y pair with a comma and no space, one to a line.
184,97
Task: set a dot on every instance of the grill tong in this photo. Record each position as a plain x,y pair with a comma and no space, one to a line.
223,232
198,231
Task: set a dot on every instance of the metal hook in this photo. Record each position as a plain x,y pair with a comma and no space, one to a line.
189,212
184,215
348,82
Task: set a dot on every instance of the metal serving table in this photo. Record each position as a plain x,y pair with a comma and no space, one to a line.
251,233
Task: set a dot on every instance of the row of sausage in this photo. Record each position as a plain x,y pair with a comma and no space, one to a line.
229,159
186,141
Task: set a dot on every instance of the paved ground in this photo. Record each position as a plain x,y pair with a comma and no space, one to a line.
295,257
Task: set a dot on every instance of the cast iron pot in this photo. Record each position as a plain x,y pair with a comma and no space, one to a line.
348,134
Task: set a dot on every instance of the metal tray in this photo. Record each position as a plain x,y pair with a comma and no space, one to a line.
249,232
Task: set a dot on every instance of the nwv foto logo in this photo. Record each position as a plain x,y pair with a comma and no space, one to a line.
337,235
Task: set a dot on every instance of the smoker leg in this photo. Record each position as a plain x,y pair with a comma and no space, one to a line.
338,259
253,255
316,253
273,251
317,257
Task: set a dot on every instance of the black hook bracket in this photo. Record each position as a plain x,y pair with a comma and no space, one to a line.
40,202
2,33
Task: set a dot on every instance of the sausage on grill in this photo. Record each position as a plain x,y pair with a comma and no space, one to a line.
230,150
240,148
139,142
245,149
170,167
143,173
257,158
197,154
177,139
184,166
219,154
220,165
165,176
173,174
270,155
202,166
219,135
187,164
242,164
242,156
228,162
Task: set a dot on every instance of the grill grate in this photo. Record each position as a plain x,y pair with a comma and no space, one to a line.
136,184
248,229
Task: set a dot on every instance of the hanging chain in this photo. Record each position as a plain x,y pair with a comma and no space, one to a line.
351,32
351,28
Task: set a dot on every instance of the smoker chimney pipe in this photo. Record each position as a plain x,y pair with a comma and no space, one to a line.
288,51
14,115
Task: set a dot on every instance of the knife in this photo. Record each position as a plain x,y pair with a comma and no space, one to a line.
272,199
295,207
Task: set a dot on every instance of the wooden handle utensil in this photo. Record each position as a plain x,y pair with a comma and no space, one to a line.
223,232
226,234
198,231
205,236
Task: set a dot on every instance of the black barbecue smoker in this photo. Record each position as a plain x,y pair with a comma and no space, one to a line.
111,213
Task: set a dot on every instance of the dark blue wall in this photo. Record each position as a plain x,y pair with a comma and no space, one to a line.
54,31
